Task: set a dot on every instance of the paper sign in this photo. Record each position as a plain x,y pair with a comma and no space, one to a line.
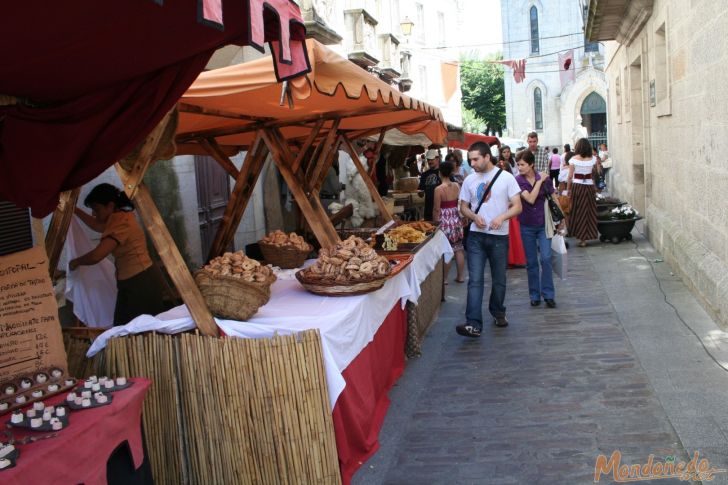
30,332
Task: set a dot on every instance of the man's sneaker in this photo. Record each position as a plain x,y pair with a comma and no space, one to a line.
468,331
500,321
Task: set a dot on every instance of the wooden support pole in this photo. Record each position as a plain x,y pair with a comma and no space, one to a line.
315,169
367,180
55,239
211,147
220,113
172,259
312,209
307,144
377,151
326,162
239,198
135,176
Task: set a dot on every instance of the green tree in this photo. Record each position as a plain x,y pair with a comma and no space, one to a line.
484,91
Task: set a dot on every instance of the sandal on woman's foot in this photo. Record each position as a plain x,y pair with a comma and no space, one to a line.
459,281
582,244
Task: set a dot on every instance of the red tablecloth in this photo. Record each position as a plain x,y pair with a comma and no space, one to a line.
79,453
359,412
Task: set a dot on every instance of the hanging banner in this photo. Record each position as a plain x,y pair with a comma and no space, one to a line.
30,332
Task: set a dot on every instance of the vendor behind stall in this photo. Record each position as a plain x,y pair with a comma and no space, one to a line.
137,279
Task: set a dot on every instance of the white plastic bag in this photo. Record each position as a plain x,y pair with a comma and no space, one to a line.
558,256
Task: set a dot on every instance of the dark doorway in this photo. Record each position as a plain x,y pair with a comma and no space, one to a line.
213,194
594,118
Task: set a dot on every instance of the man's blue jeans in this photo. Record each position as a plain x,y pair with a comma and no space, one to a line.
538,249
482,247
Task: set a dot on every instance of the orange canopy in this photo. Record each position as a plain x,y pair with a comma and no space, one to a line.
229,104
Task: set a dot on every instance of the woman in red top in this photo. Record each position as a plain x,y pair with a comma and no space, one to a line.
445,211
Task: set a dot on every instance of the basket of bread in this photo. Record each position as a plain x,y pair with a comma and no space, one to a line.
284,250
235,286
351,267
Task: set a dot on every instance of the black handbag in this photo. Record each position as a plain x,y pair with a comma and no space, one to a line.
556,214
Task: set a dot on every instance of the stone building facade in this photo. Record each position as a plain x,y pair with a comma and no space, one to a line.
667,126
537,30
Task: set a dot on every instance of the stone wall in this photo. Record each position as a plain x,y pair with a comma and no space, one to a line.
670,154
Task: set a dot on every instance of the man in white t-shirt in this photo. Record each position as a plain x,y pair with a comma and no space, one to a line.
488,237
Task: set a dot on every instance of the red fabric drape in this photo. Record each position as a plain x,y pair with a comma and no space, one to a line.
92,79
360,410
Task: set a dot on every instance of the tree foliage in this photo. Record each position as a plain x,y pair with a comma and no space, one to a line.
484,91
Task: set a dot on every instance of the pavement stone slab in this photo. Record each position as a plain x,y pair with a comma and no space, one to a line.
613,367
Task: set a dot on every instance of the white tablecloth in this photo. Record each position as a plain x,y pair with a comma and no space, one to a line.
346,324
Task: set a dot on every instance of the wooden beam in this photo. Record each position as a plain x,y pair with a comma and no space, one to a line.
239,198
311,207
331,115
55,238
211,147
367,180
325,165
306,145
135,176
313,171
220,113
172,259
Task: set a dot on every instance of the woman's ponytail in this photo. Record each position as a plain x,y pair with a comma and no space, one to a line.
105,193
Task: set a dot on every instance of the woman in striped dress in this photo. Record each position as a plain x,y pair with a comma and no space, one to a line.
580,188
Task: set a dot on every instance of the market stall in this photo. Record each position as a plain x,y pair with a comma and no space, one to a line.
228,110
84,86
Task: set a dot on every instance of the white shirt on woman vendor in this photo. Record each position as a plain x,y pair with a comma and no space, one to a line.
498,199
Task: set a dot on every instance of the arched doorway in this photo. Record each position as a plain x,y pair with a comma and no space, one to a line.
594,117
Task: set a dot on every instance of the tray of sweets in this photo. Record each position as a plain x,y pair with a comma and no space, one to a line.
104,384
37,418
88,400
23,390
9,454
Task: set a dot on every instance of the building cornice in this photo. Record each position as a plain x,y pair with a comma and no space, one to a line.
620,20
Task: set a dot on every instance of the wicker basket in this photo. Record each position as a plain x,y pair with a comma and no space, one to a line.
285,257
325,288
233,298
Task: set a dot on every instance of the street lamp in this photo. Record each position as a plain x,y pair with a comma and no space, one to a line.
406,26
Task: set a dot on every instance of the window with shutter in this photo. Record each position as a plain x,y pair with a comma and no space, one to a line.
15,231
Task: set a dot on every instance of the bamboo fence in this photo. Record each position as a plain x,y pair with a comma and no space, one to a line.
230,410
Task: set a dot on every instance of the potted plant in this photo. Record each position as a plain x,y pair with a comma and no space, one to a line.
607,203
616,224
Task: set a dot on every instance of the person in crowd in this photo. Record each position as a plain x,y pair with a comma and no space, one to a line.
429,180
564,172
137,279
488,239
506,160
384,175
516,254
534,187
445,211
605,160
541,156
567,150
580,190
411,166
555,167
598,173
456,175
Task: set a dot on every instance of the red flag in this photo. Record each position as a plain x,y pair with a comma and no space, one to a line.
567,71
519,68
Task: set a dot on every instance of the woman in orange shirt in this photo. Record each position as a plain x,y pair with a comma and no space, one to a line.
137,279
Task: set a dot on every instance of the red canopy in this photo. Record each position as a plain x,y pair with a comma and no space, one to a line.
83,82
471,138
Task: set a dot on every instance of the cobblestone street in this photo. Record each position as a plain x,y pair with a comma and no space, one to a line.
611,368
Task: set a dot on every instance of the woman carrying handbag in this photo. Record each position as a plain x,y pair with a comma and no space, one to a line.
535,188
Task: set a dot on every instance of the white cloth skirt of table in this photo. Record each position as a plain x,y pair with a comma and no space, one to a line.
346,324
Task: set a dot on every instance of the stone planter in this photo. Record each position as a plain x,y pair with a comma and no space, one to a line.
616,230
